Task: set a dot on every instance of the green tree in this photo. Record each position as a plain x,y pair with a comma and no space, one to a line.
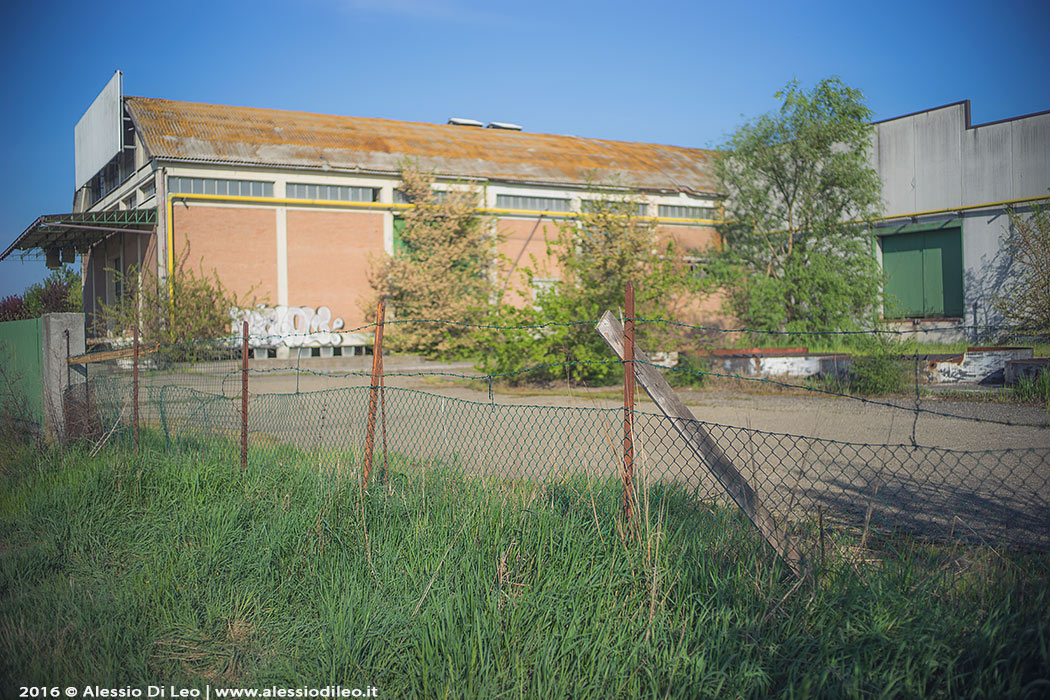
595,255
799,189
1025,304
443,270
60,292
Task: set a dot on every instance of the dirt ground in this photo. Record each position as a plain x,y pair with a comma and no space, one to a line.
807,414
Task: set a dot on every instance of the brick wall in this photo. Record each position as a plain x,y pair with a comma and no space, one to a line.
328,253
237,243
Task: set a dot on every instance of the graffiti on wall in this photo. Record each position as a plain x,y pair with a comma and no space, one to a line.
291,326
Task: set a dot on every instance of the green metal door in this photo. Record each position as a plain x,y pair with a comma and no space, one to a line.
399,243
902,263
924,273
942,273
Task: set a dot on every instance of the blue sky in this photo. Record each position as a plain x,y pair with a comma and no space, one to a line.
684,73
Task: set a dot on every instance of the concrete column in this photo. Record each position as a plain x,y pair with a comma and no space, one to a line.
161,194
61,336
281,225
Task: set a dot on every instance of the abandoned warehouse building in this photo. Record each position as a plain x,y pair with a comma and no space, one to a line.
291,206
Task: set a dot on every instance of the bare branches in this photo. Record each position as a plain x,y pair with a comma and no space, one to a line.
1026,303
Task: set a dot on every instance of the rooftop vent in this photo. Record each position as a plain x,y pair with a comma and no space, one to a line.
460,121
506,126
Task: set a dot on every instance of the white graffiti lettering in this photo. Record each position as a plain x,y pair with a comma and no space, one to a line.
292,326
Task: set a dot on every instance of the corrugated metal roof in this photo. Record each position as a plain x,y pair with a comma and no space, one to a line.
81,230
218,133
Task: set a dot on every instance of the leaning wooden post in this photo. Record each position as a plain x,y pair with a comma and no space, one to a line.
628,403
705,447
135,386
373,395
244,397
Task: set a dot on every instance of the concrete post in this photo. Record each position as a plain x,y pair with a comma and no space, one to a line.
61,336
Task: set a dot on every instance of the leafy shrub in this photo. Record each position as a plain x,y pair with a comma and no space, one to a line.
689,372
60,292
187,308
442,271
877,367
13,308
595,255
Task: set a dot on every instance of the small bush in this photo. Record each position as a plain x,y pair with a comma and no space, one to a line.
877,367
689,372
184,310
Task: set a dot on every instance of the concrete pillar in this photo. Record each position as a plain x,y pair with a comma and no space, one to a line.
61,336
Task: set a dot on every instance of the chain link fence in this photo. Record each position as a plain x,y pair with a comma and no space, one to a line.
815,488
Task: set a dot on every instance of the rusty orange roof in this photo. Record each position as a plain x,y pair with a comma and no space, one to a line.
195,131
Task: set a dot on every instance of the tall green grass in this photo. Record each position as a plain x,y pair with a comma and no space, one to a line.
1033,389
170,567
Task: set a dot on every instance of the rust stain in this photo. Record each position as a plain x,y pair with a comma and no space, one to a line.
193,130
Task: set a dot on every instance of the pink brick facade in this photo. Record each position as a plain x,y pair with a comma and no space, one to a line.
328,260
239,244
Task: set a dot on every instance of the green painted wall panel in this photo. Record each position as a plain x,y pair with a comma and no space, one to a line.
22,382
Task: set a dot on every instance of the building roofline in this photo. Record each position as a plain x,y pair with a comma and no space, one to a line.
174,130
163,161
966,109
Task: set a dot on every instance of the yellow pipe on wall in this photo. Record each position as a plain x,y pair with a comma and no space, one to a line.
170,209
383,206
965,207
931,212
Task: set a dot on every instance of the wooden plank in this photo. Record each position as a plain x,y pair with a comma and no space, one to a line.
701,442
111,355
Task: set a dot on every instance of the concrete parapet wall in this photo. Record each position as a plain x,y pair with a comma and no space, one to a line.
1030,367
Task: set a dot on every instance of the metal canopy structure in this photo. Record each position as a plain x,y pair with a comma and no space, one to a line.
67,234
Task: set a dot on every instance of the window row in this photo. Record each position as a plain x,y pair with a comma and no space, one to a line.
401,198
676,211
345,193
234,188
335,193
590,205
514,201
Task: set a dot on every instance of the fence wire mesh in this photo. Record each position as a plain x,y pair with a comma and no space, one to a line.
190,397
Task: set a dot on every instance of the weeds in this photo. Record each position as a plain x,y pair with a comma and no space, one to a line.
131,569
1033,389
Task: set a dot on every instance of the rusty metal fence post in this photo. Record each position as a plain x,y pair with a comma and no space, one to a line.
244,397
628,404
135,386
373,395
